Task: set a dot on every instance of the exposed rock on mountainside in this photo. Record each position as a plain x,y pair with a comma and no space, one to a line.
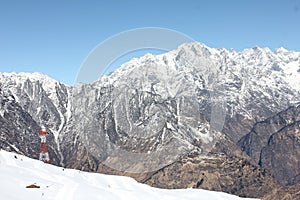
234,173
217,173
19,131
285,193
274,144
282,154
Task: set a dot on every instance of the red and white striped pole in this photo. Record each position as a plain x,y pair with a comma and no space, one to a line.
44,155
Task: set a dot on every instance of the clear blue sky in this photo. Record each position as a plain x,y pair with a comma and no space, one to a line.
54,37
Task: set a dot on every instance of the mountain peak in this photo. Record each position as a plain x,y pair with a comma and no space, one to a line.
280,50
21,76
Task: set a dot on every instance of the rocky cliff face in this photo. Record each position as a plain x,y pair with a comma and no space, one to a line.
274,145
225,169
19,131
218,173
156,110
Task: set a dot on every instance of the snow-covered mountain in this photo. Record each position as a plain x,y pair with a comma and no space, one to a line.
254,83
43,99
171,104
17,172
152,110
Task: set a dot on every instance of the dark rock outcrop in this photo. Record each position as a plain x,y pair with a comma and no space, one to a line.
218,173
274,144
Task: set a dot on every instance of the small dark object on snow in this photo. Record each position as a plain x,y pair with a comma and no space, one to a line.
33,186
16,157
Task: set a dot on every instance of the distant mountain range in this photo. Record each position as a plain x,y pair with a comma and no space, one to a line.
231,116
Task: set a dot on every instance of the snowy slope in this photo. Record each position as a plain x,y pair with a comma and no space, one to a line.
17,172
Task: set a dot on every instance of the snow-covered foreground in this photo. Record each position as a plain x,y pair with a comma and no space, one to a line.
17,172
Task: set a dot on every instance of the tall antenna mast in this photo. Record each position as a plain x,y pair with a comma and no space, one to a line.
44,155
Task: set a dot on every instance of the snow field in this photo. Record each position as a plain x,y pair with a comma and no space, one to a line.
56,183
